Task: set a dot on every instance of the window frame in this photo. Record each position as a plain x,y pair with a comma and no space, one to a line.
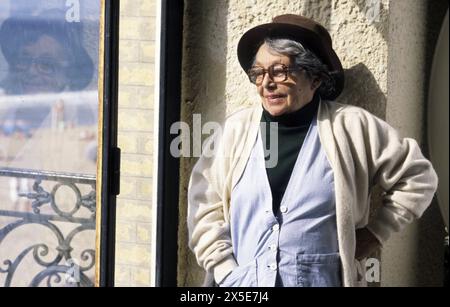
108,177
168,167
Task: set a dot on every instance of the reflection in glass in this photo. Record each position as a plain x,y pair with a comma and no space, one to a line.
48,142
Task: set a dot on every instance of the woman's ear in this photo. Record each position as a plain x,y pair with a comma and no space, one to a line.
316,83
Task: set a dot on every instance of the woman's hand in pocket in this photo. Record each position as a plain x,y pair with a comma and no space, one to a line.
241,276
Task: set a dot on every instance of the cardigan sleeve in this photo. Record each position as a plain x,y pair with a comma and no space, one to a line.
406,176
209,232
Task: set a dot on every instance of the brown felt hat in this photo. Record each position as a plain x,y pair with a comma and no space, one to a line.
309,33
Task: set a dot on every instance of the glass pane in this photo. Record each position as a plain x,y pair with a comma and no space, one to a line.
48,141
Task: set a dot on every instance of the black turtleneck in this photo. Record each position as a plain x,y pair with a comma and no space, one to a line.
292,130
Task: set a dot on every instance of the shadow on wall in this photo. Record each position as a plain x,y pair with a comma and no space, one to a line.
205,43
362,90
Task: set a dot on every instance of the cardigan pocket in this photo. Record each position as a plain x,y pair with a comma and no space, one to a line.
318,270
242,276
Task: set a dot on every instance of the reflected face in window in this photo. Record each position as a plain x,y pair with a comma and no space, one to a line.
40,66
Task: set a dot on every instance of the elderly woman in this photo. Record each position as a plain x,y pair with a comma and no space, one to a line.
304,220
44,54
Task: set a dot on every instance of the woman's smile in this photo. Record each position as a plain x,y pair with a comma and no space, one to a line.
275,99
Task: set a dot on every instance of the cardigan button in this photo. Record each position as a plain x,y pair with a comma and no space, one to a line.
276,227
273,247
283,209
273,266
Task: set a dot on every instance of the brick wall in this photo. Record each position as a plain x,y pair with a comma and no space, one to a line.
136,87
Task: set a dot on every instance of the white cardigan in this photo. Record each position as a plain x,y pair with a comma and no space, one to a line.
362,150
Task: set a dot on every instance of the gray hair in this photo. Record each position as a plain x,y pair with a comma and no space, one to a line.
306,59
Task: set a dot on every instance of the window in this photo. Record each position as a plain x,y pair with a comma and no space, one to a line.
49,119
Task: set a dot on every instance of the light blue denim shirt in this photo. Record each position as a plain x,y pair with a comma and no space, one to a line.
299,246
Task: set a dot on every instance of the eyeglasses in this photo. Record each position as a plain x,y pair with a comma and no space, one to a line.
44,65
277,72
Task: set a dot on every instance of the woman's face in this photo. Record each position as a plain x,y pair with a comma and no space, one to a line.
287,96
40,66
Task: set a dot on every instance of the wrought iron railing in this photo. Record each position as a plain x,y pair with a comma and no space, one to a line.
63,268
